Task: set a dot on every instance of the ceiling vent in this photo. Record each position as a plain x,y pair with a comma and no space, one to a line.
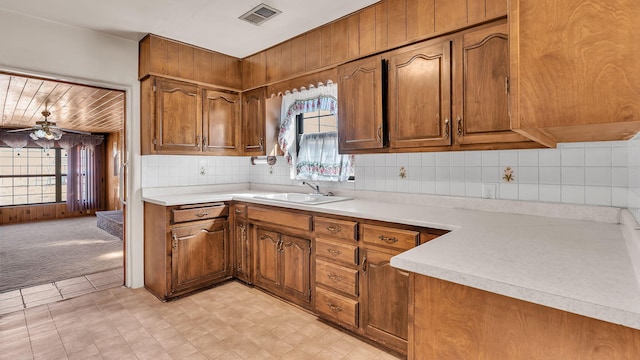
260,14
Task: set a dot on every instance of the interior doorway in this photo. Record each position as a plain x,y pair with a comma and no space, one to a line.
63,155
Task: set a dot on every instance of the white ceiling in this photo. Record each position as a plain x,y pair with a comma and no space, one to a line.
211,24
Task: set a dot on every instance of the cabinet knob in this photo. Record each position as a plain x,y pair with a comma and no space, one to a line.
201,214
335,277
446,128
379,133
334,229
334,252
388,240
334,307
459,126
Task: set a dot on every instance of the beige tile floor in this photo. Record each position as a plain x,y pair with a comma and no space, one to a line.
231,321
56,291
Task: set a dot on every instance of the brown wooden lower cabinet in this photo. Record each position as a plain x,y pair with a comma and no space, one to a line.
452,321
282,265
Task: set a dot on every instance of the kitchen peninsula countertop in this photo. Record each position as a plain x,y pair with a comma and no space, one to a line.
583,267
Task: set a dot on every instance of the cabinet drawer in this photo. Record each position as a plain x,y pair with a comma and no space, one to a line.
284,218
184,214
240,210
390,237
337,277
338,308
346,254
336,228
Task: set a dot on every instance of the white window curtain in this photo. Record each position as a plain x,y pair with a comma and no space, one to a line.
320,152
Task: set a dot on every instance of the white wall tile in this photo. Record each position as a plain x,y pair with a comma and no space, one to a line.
443,159
572,194
472,158
528,158
443,173
528,192
527,175
428,187
491,174
457,188
550,193
443,187
473,189
508,158
428,173
599,156
428,159
549,157
508,191
473,174
457,173
572,157
572,175
490,158
457,158
550,175
598,175
598,195
415,159
619,156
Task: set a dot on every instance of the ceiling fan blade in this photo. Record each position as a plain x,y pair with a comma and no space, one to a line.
17,130
75,131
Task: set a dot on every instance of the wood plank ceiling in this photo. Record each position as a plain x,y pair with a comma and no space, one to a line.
74,107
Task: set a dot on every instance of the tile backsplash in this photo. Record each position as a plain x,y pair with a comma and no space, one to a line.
595,173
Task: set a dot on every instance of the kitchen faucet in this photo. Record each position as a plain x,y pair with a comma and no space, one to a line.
315,187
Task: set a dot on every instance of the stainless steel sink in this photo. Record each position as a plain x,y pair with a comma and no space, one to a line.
300,198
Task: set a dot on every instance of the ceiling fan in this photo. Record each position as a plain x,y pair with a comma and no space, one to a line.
47,129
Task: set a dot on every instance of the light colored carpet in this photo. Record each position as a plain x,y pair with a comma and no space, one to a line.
41,252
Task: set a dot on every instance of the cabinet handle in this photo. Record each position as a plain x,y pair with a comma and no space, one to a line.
334,252
335,277
334,307
201,214
459,126
204,141
197,140
388,240
261,144
506,85
364,265
279,246
175,240
238,210
446,128
379,133
334,229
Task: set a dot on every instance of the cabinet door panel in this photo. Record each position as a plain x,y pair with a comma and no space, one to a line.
385,304
485,101
253,121
360,113
199,254
242,266
450,14
295,254
221,117
267,259
419,97
178,118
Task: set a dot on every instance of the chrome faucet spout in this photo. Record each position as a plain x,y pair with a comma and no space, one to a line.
315,187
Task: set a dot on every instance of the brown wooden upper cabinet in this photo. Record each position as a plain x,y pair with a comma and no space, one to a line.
481,101
221,122
254,121
184,118
419,98
360,113
575,69
178,119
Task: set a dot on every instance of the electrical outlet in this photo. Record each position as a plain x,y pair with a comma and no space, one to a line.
489,191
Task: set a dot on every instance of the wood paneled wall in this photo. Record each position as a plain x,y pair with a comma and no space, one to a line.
113,155
27,213
385,25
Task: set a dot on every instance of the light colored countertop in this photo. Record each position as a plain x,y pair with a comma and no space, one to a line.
583,267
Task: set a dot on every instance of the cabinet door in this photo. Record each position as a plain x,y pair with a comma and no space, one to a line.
253,121
242,264
576,69
267,259
483,116
221,122
360,117
384,301
199,254
420,96
295,267
178,117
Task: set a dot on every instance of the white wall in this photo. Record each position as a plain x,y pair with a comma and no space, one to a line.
45,48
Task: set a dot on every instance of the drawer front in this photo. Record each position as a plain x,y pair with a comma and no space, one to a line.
337,308
284,218
390,237
199,213
341,229
337,277
240,210
344,253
